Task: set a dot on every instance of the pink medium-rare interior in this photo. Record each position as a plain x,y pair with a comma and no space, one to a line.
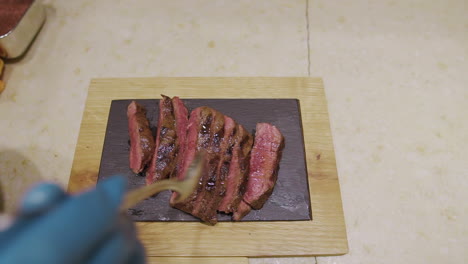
181,119
152,168
190,148
136,153
263,164
234,172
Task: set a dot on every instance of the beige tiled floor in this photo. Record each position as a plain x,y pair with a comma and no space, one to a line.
86,39
396,76
396,80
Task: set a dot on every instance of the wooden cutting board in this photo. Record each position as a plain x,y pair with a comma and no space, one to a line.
324,235
197,260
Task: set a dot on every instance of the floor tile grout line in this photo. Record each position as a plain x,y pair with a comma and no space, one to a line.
308,39
308,55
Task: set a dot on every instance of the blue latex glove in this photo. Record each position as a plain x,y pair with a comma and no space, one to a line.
55,228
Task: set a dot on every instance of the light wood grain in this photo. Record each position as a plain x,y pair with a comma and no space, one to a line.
197,260
325,235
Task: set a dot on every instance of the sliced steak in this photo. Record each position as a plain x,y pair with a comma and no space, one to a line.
237,177
242,210
141,138
210,134
264,164
202,204
209,131
181,123
221,151
200,119
167,143
241,146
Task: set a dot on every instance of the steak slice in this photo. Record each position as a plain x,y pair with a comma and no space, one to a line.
210,134
221,151
164,154
264,164
238,170
141,138
181,123
242,210
200,119
167,141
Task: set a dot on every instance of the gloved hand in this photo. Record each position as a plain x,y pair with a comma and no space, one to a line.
55,228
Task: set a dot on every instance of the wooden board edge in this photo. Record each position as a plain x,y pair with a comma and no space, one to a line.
197,260
88,181
344,248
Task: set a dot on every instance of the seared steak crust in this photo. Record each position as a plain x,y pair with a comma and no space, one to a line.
163,162
141,138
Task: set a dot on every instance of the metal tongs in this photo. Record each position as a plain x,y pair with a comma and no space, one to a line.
184,188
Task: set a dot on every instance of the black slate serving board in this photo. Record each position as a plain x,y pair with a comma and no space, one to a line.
290,199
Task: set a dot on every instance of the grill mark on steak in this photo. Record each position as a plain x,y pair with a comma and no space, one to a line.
226,184
212,199
238,170
199,117
207,200
217,140
204,134
264,164
224,168
141,138
163,162
212,176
